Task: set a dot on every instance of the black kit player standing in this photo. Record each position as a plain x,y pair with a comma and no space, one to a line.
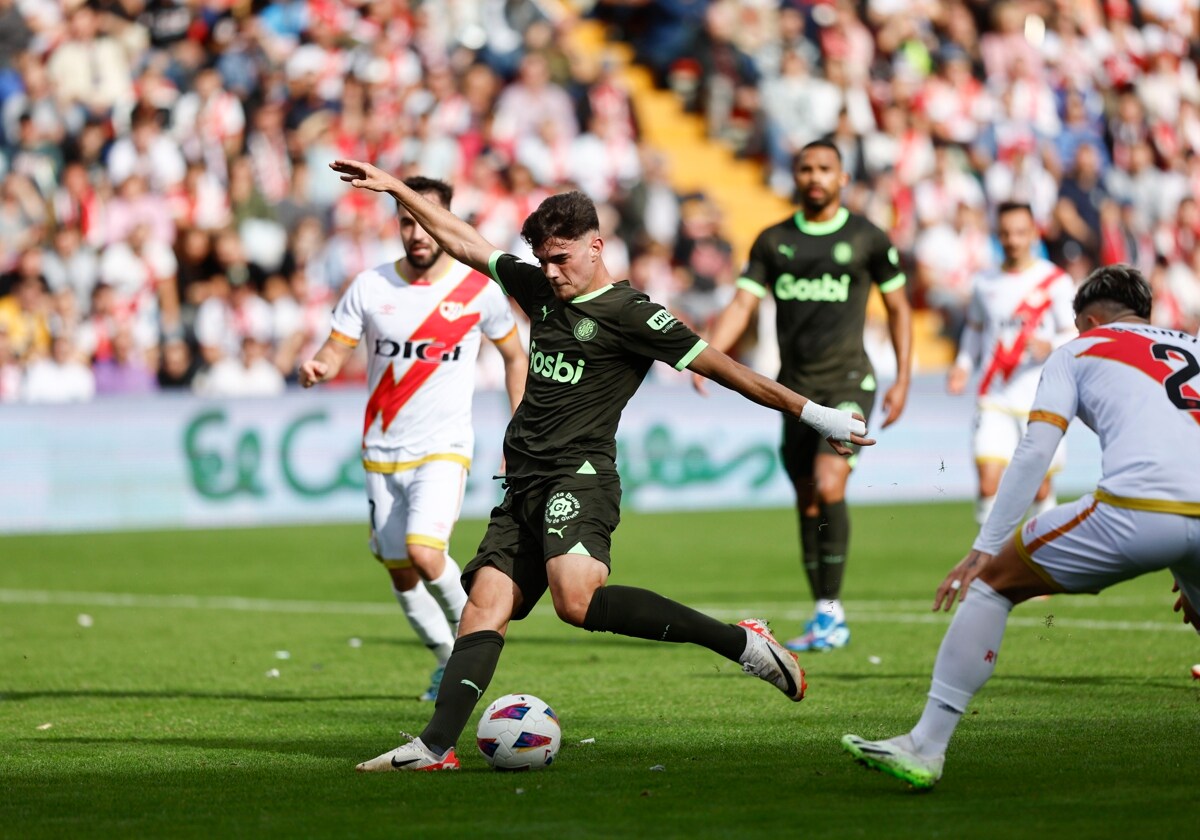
820,265
592,341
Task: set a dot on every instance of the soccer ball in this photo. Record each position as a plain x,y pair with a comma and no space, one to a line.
518,732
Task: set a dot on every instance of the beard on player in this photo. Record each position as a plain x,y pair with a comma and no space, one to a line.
816,198
423,256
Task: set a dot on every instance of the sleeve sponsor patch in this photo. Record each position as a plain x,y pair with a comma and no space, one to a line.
661,320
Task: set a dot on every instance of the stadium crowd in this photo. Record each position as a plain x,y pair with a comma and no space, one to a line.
1087,110
168,221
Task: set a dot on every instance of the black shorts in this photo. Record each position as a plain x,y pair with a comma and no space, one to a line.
569,514
801,444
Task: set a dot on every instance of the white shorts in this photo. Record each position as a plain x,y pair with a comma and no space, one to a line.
1087,546
997,433
417,506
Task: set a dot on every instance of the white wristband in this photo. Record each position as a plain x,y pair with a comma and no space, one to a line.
835,423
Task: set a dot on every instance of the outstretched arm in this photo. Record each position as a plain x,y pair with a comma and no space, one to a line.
899,315
457,238
834,425
729,326
326,364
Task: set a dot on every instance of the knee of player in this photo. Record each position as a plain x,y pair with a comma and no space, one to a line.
830,491
427,560
571,604
404,579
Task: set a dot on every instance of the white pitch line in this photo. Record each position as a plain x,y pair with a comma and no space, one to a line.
191,602
860,611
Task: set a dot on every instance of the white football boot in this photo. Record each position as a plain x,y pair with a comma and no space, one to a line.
897,757
767,659
411,756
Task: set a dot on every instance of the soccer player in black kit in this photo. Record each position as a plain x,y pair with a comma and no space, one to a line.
592,340
820,265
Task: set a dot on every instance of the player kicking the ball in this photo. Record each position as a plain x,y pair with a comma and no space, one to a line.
423,317
1138,388
592,342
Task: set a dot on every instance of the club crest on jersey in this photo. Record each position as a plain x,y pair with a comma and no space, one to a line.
586,329
451,310
843,253
562,507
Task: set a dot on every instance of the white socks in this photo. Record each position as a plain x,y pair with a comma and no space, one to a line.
427,619
447,589
832,607
965,662
983,507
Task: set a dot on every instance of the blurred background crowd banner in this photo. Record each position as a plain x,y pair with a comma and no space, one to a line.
172,462
168,221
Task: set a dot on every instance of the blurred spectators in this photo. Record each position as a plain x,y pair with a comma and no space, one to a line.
1089,111
165,197
248,373
25,310
60,377
126,370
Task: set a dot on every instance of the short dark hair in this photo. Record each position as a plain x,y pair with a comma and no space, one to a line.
821,143
1012,207
422,185
1117,287
565,216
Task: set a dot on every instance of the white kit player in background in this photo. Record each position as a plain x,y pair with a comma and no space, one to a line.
422,319
1138,388
1017,315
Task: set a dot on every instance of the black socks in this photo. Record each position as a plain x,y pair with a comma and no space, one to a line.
642,614
467,676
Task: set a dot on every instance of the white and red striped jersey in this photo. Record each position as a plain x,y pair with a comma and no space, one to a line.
422,340
1007,309
1137,387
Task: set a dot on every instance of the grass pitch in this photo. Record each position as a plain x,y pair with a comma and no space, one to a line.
159,718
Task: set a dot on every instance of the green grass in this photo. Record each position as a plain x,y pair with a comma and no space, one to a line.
163,722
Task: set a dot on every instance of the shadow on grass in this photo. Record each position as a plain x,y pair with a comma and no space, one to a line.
327,749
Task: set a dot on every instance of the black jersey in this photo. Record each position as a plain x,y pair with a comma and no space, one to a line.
820,274
587,357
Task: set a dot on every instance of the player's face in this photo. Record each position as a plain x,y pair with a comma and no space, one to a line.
1016,233
570,264
819,178
420,248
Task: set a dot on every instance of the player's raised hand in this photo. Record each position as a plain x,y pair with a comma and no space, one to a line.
893,403
959,580
312,372
362,175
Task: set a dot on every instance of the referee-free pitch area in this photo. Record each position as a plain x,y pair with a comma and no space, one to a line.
135,698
